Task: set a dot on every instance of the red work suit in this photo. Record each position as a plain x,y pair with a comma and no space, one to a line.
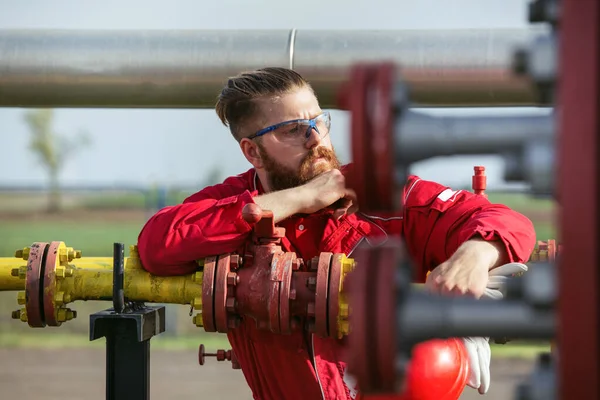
434,222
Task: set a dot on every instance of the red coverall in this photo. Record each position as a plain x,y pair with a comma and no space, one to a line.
434,222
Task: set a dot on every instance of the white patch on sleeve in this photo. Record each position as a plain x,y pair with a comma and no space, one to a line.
448,194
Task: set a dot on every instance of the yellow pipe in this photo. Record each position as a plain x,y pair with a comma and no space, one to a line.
91,278
7,280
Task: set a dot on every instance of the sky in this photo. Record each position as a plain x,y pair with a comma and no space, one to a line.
169,147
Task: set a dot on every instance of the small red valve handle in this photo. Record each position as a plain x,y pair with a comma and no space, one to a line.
263,221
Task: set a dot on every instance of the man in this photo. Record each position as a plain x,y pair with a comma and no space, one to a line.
282,131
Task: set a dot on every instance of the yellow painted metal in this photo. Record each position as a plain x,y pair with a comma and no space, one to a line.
7,280
91,278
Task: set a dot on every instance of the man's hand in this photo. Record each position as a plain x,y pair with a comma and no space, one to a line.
466,272
325,190
329,188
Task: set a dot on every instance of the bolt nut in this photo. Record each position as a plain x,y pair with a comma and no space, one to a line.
20,314
21,272
58,298
232,279
234,262
198,277
293,294
197,303
311,282
23,253
197,320
298,264
65,314
347,265
233,322
343,328
21,298
230,304
344,311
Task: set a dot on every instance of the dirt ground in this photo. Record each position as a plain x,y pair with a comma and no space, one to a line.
175,375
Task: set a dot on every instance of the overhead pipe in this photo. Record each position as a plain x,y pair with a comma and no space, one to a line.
187,69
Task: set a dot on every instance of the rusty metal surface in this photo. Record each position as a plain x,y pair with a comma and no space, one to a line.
335,285
33,288
322,295
208,284
52,261
220,293
285,298
275,278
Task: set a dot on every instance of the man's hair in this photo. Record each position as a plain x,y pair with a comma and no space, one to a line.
236,103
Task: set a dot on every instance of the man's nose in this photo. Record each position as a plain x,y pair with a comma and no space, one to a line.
314,139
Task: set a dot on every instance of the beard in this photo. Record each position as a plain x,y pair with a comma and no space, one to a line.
281,177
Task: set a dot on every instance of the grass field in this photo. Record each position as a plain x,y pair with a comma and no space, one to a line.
93,224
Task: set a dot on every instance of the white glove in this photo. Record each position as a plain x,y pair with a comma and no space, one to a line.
478,348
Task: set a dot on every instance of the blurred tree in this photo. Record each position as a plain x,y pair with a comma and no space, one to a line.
52,150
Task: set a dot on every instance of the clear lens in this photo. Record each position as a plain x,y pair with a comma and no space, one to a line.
299,132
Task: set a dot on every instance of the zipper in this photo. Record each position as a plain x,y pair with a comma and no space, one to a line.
312,351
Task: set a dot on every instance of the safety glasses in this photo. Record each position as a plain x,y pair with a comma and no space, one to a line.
298,131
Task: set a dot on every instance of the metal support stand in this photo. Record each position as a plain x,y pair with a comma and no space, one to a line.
128,331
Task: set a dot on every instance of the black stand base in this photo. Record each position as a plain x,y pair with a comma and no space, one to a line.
128,337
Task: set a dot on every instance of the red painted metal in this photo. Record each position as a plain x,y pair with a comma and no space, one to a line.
579,132
50,284
385,312
321,295
208,283
369,100
479,180
220,293
272,287
335,286
33,285
285,320
220,355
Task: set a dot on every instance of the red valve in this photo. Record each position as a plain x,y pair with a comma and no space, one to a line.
220,355
479,181
264,228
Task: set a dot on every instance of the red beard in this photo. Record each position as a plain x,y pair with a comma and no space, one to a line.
281,177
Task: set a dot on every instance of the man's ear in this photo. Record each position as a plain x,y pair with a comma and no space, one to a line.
250,151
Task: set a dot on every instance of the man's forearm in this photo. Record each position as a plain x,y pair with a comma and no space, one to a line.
492,252
283,203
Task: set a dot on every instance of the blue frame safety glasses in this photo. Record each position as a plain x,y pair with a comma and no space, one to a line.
298,131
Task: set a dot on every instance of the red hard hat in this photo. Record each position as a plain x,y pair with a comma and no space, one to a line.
438,370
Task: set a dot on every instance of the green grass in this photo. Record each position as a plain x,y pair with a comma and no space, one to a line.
522,202
94,239
59,340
